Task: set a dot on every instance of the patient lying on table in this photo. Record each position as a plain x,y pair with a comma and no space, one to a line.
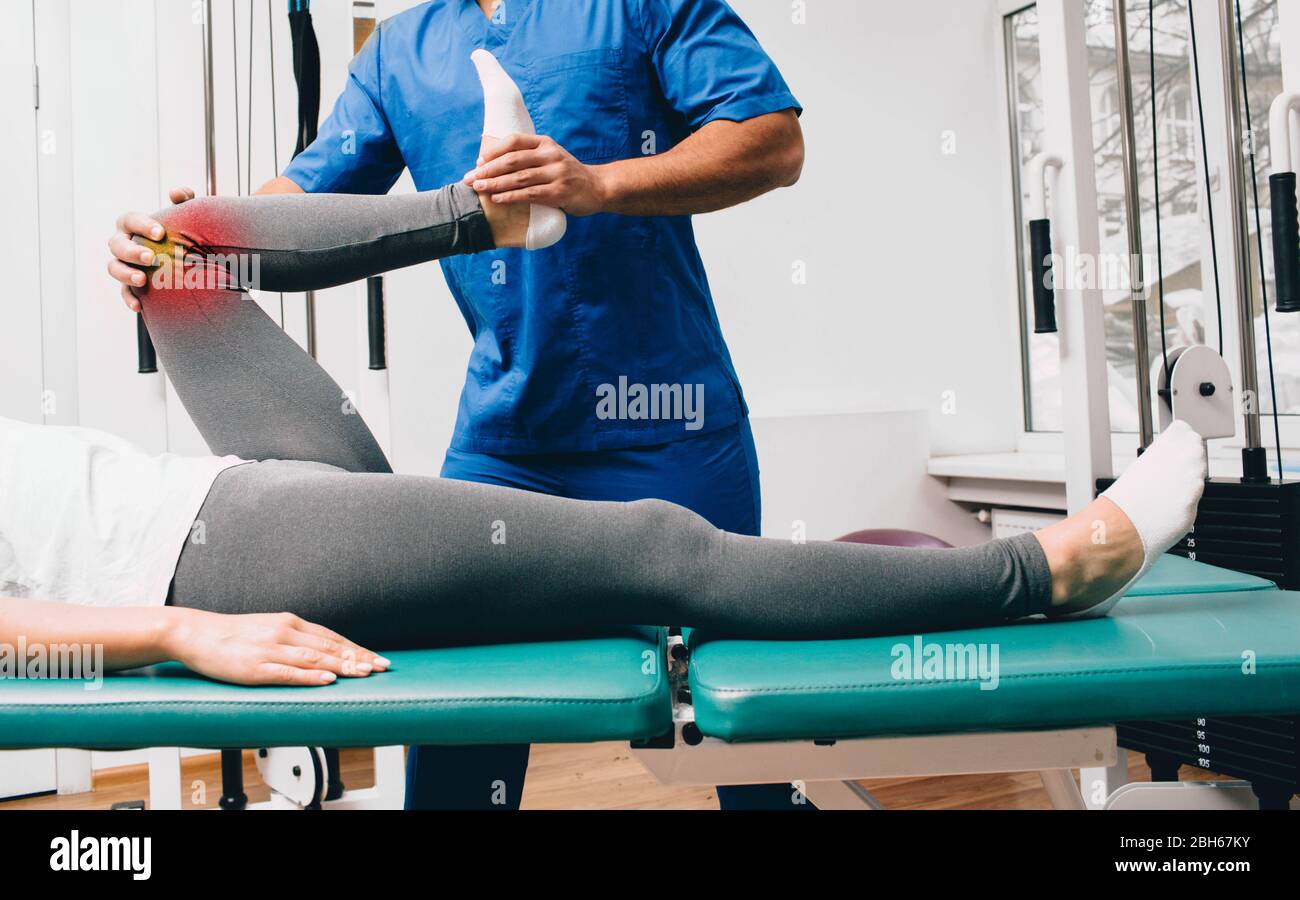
298,512
262,563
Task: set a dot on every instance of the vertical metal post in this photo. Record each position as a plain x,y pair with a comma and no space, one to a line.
311,324
1068,131
1133,210
1013,116
209,103
1253,455
232,781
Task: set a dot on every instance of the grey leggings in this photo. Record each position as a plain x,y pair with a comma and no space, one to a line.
319,526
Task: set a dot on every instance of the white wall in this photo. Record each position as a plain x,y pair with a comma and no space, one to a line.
825,476
907,277
114,167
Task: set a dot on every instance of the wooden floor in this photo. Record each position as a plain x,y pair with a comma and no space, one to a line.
584,776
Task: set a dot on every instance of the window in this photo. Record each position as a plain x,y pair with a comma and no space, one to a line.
1180,189
1179,127
1181,196
1040,352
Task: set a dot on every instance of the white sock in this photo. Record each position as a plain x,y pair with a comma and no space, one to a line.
504,114
1159,493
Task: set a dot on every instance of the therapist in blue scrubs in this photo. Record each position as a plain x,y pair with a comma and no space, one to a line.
647,111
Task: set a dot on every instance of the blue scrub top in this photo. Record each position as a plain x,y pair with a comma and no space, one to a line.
570,342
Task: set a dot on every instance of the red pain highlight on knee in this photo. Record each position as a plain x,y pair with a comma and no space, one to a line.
195,254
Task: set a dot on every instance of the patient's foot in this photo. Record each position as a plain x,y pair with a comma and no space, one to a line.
1092,556
504,114
510,222
1096,555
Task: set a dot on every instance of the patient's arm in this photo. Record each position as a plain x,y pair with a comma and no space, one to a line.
278,649
130,637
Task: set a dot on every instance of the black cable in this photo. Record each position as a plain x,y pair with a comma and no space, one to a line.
1205,162
1155,171
1259,236
306,71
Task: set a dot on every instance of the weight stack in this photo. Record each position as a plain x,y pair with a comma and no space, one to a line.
1259,749
1254,529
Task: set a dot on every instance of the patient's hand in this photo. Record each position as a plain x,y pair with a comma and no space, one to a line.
128,256
277,649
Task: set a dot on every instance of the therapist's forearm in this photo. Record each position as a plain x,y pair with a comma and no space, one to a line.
280,185
130,637
721,165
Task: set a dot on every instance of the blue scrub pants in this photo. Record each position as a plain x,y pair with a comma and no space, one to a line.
715,474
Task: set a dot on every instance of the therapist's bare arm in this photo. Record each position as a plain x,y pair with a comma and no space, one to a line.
721,165
127,256
248,650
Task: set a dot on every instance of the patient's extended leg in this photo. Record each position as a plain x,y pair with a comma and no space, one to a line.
307,242
400,561
249,387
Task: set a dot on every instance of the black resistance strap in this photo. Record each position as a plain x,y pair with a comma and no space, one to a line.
306,71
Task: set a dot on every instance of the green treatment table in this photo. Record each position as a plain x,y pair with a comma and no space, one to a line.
820,714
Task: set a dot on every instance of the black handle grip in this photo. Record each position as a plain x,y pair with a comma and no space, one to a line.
1040,254
375,318
145,353
1286,241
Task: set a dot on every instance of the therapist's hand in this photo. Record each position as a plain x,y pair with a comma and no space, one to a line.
526,168
274,649
128,256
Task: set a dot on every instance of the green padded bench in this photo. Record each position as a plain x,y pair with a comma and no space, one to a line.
1176,575
1172,648
601,688
824,715
728,711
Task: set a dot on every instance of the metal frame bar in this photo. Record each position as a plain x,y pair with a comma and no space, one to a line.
209,103
1133,213
1236,184
1017,208
1068,132
712,761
